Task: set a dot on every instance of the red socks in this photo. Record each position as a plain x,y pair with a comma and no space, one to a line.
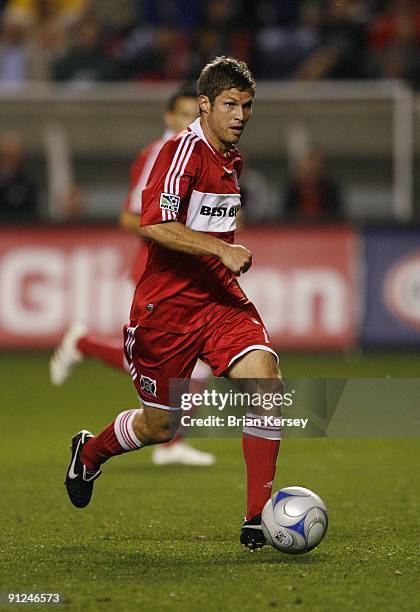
108,350
260,456
116,439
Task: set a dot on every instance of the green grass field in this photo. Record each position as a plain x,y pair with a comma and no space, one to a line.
167,538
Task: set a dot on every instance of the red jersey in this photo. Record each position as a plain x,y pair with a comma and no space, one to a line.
195,185
139,173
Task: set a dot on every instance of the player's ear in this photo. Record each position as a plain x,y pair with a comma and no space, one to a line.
204,104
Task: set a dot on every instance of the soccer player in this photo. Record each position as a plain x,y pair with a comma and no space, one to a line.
77,344
188,303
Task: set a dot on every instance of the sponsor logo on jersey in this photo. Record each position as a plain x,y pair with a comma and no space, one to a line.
220,211
148,385
169,201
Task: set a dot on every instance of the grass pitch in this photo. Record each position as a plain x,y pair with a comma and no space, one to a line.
167,538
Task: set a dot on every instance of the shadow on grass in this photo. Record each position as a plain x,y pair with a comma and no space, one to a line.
165,554
150,467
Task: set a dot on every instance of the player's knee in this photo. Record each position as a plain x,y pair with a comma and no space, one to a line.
156,433
270,368
154,426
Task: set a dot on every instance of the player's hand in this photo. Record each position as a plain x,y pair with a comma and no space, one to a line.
237,258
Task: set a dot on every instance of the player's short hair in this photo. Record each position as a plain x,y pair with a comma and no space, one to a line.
187,90
224,73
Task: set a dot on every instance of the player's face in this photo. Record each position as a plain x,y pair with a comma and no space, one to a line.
227,117
184,113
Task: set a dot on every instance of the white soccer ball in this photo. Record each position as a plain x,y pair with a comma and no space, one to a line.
294,520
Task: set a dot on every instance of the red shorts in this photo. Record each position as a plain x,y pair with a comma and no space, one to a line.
155,356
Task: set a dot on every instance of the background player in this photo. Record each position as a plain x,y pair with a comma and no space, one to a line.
188,303
78,344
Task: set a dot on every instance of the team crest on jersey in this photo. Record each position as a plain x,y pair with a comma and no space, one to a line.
148,385
169,201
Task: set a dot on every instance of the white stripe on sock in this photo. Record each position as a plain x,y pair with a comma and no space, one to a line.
123,427
261,429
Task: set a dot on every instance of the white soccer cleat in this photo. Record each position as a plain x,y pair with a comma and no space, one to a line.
181,453
66,355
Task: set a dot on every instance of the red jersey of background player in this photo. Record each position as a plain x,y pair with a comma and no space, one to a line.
195,185
139,173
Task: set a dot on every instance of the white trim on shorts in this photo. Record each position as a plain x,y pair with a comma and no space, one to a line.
253,347
153,405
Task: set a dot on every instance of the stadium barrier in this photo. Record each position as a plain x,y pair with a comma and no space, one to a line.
368,131
316,288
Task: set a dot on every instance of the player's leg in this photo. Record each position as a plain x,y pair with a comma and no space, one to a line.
78,345
104,348
131,430
237,346
177,451
154,358
260,443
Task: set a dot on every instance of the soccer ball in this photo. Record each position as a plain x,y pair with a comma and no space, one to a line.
294,520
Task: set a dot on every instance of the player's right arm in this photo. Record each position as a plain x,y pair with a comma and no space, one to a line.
176,237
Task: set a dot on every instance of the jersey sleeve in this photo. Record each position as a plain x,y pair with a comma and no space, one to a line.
170,180
132,203
139,173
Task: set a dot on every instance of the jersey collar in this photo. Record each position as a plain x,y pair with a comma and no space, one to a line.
233,153
195,127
